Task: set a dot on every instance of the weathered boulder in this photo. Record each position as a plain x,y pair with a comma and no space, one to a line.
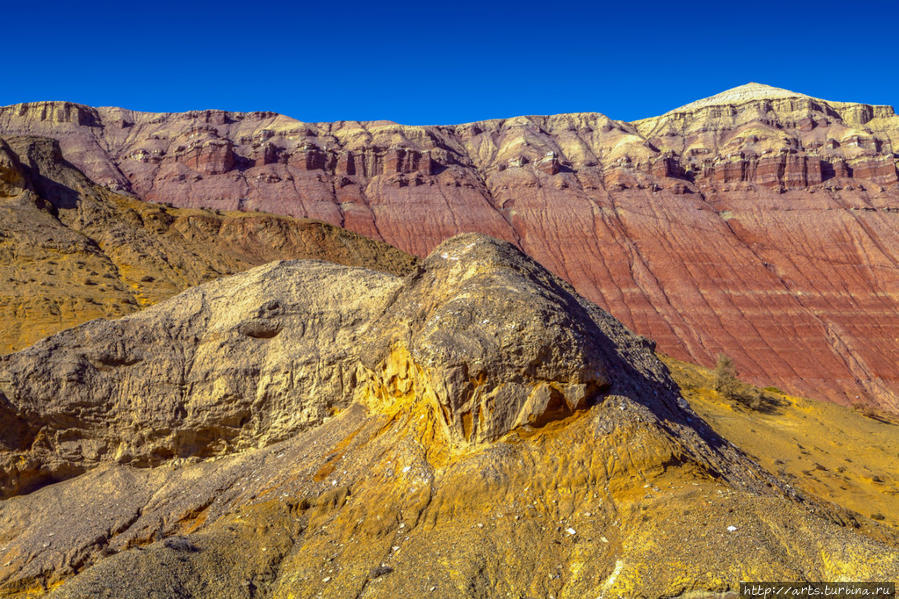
488,337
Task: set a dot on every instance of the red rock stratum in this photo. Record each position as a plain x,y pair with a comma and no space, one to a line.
760,222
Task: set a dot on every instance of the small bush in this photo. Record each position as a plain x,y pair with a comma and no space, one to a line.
730,387
725,376
873,413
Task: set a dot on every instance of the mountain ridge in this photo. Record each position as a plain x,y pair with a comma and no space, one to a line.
747,92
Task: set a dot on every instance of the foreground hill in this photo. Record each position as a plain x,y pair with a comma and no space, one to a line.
71,251
759,222
307,429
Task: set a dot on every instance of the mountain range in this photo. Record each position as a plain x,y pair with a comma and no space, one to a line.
759,223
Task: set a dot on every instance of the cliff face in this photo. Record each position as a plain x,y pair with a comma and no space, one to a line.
760,222
472,429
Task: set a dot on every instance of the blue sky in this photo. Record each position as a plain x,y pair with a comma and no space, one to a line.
432,63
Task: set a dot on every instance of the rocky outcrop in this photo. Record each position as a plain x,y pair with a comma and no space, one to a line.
71,251
759,222
246,361
305,428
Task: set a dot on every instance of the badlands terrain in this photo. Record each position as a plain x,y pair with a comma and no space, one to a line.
461,422
761,223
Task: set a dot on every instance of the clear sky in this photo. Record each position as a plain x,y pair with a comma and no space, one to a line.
432,62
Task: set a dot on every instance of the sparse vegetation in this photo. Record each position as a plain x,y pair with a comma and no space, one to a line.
873,413
784,444
725,376
724,382
732,388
